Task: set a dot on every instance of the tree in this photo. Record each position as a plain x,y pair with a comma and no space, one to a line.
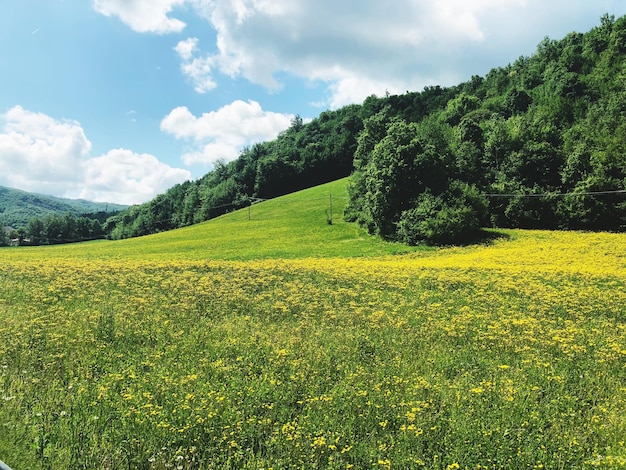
391,178
296,123
454,216
35,230
275,176
191,205
459,107
516,101
4,237
401,166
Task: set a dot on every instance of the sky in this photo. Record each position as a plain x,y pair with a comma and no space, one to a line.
119,100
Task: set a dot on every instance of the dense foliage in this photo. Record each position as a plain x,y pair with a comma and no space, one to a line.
540,143
54,229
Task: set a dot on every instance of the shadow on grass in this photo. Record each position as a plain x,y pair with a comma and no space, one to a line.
482,237
487,237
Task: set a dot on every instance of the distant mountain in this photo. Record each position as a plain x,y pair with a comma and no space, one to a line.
18,207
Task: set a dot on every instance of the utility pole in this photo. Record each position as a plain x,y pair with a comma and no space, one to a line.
330,217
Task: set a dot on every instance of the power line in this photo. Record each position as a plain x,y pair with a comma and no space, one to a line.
590,193
253,201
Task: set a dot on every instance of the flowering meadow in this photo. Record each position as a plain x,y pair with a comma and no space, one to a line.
502,356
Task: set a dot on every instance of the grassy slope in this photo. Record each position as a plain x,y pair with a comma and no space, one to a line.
292,226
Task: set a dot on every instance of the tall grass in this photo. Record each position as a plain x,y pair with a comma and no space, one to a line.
154,353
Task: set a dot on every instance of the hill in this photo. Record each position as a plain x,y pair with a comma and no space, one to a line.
290,226
538,143
18,207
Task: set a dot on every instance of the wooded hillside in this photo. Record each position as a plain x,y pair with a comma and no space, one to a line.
47,219
18,207
539,143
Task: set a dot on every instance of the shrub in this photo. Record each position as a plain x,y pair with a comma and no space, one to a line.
452,217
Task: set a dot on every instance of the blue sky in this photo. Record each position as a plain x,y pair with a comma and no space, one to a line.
118,100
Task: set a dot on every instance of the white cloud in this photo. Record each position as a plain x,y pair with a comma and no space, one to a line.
38,153
357,47
353,89
223,133
143,16
41,154
360,47
186,48
126,177
198,69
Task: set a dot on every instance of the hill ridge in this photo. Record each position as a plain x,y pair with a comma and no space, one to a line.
18,207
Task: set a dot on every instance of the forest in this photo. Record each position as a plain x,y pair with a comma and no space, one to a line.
55,229
539,143
32,218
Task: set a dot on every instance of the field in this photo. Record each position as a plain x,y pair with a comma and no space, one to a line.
285,342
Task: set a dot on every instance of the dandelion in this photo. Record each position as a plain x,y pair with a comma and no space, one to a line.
319,441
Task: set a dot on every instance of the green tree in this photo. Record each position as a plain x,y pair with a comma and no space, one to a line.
460,106
401,166
35,230
454,216
4,237
374,130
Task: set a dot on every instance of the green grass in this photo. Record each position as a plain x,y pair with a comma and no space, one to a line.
292,226
284,342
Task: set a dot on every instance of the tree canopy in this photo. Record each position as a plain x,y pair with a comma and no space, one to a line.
540,143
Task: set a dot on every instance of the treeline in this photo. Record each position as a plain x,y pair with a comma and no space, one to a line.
540,143
54,229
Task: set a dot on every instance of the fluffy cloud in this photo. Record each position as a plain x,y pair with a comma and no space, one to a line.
198,69
41,154
186,48
126,177
357,47
143,15
223,133
38,153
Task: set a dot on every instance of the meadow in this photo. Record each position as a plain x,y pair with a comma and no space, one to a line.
271,339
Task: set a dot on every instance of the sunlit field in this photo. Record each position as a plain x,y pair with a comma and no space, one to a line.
285,353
